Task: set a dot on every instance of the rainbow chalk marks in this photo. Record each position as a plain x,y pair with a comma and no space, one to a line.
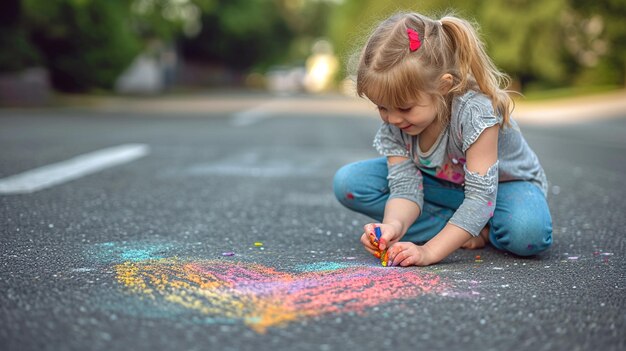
262,297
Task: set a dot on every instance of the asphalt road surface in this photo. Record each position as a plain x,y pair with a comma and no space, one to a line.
217,230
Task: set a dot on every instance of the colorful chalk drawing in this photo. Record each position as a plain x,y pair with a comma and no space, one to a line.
227,290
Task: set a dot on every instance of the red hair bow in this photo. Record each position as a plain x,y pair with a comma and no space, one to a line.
414,39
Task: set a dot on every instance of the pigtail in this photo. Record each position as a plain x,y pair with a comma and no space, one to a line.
473,62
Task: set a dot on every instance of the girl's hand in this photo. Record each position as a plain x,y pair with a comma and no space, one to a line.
408,254
390,234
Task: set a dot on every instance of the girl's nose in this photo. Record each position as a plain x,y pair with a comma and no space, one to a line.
394,118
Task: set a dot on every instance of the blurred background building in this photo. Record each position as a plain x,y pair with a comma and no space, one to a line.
51,47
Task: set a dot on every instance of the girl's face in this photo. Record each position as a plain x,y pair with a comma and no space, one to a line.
413,118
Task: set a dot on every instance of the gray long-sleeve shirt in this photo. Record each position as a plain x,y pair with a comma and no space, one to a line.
472,113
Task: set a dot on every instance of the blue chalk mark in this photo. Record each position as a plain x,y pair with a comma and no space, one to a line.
138,255
323,266
111,252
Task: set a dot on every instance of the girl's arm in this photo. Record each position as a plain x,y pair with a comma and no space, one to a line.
400,214
480,157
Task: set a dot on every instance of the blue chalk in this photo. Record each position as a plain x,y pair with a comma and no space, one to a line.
378,233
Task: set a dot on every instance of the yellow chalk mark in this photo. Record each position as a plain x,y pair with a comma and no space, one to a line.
247,292
184,285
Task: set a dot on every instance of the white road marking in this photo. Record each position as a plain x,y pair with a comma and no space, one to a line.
259,164
252,116
65,171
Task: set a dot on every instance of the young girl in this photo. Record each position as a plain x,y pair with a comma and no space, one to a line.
458,172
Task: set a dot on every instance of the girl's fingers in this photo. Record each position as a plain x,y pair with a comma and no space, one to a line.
399,253
394,254
372,240
367,241
407,261
404,255
369,247
369,229
382,243
386,240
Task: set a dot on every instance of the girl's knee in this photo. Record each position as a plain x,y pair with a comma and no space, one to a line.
524,238
361,182
342,184
522,223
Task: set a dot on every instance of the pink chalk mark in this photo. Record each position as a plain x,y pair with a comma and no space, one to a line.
264,297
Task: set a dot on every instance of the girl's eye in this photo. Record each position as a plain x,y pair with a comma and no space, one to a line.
380,108
404,109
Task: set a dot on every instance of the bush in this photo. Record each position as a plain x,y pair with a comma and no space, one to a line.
240,34
85,44
20,54
17,51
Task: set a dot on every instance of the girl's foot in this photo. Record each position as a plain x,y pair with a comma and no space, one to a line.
478,242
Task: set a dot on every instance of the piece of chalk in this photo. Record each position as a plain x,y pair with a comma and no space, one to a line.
373,240
384,258
228,253
378,233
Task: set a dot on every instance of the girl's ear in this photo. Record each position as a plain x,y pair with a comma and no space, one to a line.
446,83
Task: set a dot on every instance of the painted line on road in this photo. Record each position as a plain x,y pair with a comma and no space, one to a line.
262,112
252,116
65,171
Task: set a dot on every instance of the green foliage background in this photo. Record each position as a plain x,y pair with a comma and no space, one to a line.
86,44
527,39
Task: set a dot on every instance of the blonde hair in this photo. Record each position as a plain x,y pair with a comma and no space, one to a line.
392,75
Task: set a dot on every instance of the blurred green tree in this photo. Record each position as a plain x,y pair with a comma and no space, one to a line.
165,20
308,20
17,53
85,44
525,39
239,33
245,34
545,44
596,37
